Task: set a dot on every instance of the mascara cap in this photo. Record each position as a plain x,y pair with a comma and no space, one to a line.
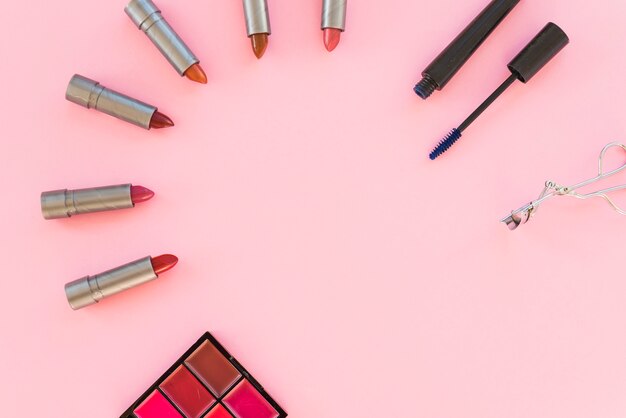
538,52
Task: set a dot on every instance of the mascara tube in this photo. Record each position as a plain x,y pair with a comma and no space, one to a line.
451,59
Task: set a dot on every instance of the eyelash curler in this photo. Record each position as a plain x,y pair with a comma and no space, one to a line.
552,189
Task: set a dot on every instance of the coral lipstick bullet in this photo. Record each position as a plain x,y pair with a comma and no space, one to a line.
333,21
332,37
257,25
65,203
196,73
92,289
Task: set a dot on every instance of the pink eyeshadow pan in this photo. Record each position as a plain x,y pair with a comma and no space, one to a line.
156,406
246,402
187,393
218,412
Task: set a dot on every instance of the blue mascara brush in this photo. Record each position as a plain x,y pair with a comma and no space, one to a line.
524,66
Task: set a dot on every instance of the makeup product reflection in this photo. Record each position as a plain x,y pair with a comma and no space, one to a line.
257,25
552,189
205,382
92,289
92,95
524,66
333,21
65,203
451,59
147,17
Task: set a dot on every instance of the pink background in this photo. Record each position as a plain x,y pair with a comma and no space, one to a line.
351,275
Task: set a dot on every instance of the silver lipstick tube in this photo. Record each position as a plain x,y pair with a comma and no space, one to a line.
147,17
65,203
90,94
334,14
92,289
257,17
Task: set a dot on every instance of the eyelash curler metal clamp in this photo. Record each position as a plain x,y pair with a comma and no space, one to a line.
552,189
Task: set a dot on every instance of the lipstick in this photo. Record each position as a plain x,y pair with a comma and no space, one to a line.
257,25
92,289
90,94
65,203
333,21
147,17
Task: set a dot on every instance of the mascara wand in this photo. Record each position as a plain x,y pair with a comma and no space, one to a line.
524,66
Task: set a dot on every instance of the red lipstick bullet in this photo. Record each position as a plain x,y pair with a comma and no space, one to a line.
160,121
163,263
92,289
140,194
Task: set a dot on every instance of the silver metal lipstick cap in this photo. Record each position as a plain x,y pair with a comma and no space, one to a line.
334,14
65,203
92,289
90,94
257,17
147,17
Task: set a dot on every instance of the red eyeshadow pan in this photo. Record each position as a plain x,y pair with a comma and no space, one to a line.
187,393
156,406
246,402
218,412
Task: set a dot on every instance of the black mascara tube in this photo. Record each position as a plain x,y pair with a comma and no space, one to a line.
451,59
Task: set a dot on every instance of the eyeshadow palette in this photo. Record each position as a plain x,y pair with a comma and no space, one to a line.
206,382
